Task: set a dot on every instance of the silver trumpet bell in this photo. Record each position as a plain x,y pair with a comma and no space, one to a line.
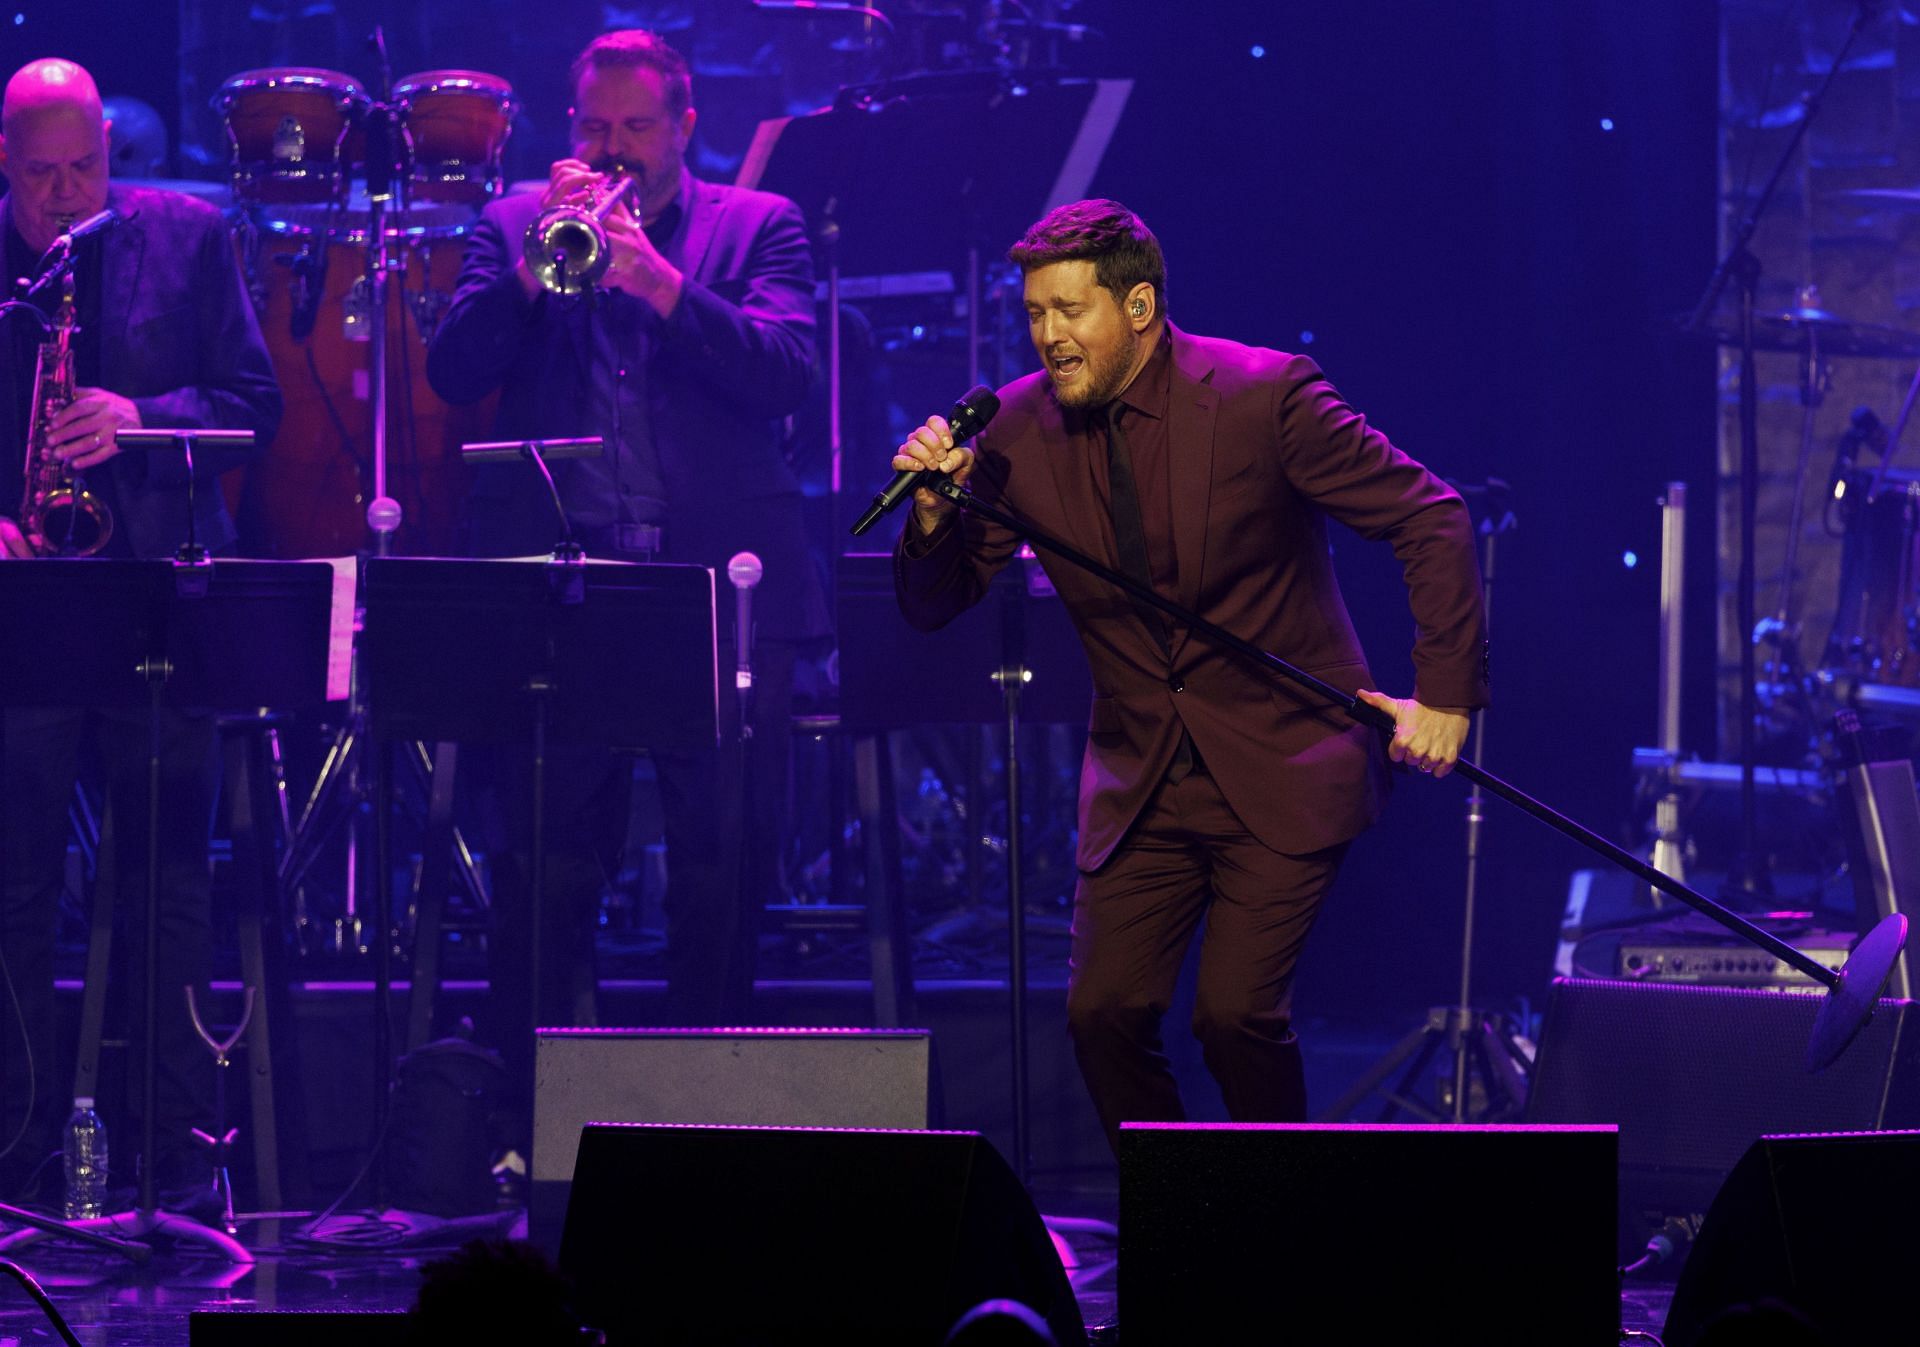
566,246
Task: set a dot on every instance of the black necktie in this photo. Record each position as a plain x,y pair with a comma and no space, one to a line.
1129,533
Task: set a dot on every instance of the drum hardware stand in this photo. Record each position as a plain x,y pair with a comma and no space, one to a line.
1852,993
1892,444
1479,1042
329,806
1748,880
1815,379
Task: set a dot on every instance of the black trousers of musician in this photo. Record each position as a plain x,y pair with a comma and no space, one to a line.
43,751
712,908
1187,863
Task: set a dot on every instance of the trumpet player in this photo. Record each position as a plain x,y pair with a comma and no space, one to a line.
161,335
693,344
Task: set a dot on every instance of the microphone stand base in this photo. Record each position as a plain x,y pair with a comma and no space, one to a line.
1484,1049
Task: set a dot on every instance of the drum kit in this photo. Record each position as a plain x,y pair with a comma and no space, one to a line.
350,215
329,230
1873,509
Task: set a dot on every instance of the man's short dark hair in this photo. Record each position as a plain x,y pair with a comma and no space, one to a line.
1123,250
630,49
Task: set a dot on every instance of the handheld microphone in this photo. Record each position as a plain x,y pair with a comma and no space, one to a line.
968,417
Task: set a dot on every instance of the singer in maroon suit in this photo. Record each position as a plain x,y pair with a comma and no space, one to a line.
1208,790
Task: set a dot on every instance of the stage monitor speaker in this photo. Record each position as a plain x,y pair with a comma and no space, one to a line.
1821,1223
757,1077
298,1328
1367,1233
730,1236
1692,1075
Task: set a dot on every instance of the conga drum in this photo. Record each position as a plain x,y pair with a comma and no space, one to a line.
286,131
457,124
307,495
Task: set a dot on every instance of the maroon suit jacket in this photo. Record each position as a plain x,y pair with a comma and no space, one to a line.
1263,451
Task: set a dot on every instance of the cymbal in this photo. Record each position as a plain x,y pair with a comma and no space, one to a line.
1893,198
1792,329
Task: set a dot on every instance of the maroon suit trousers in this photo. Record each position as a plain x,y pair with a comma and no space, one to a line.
1187,860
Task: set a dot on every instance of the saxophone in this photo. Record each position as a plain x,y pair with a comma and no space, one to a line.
59,516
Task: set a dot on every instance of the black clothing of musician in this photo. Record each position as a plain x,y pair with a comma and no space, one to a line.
698,342
165,322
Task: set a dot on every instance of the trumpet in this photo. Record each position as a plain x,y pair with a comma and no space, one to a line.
566,246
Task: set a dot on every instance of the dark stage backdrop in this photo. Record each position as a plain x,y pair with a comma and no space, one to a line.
1427,198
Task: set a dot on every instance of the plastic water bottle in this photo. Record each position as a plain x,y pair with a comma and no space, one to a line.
85,1154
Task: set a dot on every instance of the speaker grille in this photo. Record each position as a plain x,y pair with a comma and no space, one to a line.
1693,1075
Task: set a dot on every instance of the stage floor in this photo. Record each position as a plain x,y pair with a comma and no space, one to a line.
110,1303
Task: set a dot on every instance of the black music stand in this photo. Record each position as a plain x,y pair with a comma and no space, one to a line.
1012,662
188,634
558,651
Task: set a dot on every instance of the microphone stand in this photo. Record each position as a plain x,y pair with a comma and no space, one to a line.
1740,266
1852,992
744,571
1470,1034
383,518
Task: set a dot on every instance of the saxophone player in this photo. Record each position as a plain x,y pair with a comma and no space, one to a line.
163,336
697,341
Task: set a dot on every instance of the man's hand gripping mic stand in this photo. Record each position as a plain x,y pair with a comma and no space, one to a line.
1851,993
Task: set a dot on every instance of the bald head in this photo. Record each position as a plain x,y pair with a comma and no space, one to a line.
52,85
53,148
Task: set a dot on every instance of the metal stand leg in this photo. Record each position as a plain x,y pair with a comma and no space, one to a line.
254,870
1011,678
430,904
889,952
1461,1028
93,997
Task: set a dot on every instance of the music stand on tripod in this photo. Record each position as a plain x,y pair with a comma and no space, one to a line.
1477,1041
1012,663
561,651
187,634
